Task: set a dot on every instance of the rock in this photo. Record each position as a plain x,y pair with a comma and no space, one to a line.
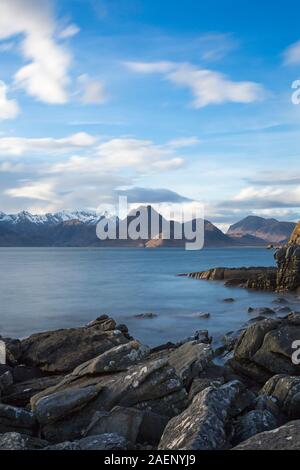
16,420
152,385
20,394
120,420
189,360
146,315
288,262
17,441
6,380
101,442
229,299
253,277
198,385
286,437
13,350
202,425
252,423
283,310
57,406
201,336
116,359
261,311
229,339
152,427
203,315
285,389
280,300
62,350
265,348
23,373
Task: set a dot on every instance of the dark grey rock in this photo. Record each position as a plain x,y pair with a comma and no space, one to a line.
286,437
17,441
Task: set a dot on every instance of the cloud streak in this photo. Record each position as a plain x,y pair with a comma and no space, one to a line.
207,87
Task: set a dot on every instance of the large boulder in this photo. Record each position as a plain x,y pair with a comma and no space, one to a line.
288,262
61,351
66,410
285,391
265,348
286,437
19,394
254,422
202,425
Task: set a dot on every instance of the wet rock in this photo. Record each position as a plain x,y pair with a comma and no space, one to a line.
286,437
253,423
261,311
280,300
62,350
203,315
283,310
265,348
229,300
202,425
201,336
116,359
17,441
189,360
285,389
146,315
16,420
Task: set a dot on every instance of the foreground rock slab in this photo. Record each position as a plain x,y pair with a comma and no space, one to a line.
17,441
101,442
286,437
202,425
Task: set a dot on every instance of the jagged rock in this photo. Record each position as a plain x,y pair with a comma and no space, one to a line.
62,350
152,385
265,348
202,425
16,420
286,437
285,389
57,406
134,425
101,442
229,299
288,261
190,359
6,381
124,421
252,423
19,394
17,441
116,359
201,336
198,385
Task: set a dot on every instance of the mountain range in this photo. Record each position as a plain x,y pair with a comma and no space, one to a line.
78,229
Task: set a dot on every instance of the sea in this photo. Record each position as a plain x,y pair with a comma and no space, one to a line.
45,289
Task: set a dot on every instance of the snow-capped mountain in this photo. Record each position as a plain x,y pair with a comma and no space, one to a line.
86,217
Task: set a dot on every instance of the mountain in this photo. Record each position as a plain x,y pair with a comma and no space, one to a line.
268,230
79,229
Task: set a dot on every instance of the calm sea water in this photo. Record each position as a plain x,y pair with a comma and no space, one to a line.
50,288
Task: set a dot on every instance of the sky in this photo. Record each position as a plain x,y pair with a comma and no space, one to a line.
169,102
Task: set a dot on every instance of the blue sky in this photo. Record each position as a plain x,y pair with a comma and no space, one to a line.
172,101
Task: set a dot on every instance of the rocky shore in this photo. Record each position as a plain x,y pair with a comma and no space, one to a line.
283,278
95,387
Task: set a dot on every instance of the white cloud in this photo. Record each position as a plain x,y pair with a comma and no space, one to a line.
292,54
9,109
269,196
70,31
207,86
184,142
91,91
42,191
46,75
21,145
